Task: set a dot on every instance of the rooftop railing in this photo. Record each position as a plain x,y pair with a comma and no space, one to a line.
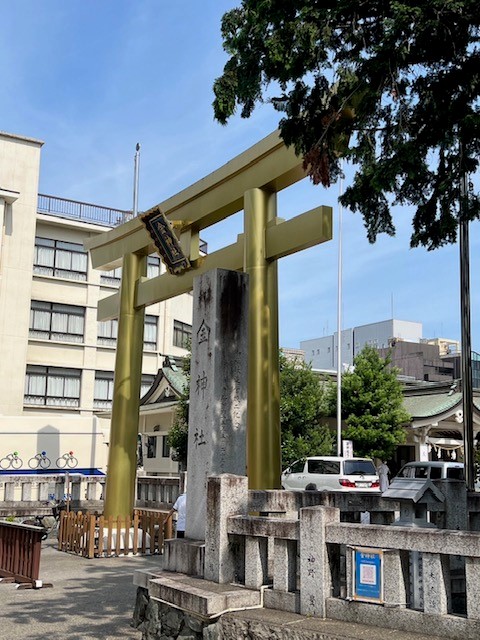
83,211
87,212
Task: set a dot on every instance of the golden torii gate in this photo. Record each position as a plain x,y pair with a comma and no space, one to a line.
250,182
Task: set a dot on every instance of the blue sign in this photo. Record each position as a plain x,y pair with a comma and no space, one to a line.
368,574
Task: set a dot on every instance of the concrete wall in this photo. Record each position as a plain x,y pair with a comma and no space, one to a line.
19,172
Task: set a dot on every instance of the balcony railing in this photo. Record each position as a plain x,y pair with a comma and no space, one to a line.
87,212
82,211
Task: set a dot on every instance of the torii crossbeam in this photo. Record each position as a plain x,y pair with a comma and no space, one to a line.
249,182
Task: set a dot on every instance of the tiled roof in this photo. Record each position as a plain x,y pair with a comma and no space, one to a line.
177,379
425,406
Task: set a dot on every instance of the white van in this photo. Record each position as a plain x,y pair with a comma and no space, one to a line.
430,470
331,473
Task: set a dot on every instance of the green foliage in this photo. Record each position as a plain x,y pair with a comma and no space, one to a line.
302,406
178,435
372,406
392,86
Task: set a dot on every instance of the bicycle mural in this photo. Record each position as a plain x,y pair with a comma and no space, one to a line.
40,460
67,460
11,460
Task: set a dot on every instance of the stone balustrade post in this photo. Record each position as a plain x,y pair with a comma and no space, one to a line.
436,583
316,581
396,586
284,565
256,558
43,491
472,578
227,495
9,491
27,490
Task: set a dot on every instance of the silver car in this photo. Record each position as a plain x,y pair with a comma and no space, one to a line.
331,473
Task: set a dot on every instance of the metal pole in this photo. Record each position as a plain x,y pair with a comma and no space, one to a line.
466,339
339,328
135,179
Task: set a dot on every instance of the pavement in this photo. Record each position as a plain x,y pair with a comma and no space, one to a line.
90,599
94,600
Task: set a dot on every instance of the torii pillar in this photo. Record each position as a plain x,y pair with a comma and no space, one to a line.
249,182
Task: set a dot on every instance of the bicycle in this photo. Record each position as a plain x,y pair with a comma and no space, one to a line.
40,460
11,460
67,460
38,521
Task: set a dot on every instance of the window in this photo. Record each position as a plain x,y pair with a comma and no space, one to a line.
52,386
112,277
298,466
182,334
151,446
53,321
359,468
107,332
103,392
150,333
147,381
60,259
153,266
328,467
165,447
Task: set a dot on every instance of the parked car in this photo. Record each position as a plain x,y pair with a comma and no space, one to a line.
331,473
430,470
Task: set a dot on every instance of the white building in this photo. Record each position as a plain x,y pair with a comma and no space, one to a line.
322,352
56,360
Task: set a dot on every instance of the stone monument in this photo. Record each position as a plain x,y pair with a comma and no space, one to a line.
218,387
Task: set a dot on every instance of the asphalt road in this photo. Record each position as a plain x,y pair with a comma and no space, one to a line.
90,599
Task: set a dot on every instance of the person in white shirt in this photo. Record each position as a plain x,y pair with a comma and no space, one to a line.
383,474
180,507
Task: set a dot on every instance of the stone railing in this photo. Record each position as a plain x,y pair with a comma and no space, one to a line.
30,495
305,557
34,495
157,492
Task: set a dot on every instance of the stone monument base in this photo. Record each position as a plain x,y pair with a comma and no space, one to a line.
183,555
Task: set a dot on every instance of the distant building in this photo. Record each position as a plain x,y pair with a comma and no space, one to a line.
322,352
294,354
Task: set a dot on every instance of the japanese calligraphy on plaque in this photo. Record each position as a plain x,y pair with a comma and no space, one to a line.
165,241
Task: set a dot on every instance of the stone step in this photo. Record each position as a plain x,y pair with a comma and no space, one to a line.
201,598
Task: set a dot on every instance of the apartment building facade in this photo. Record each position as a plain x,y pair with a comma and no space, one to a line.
56,360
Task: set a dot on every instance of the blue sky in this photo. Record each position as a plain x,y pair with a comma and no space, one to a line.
93,78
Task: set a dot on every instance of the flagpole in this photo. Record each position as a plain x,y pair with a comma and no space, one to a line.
339,325
135,179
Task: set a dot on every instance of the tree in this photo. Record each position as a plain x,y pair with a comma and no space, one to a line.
302,404
391,85
302,407
178,435
372,406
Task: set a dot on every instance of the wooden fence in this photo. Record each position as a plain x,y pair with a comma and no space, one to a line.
92,536
20,546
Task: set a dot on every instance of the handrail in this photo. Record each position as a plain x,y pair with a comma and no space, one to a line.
85,211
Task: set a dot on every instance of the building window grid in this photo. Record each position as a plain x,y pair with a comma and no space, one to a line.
182,334
60,259
114,276
150,333
107,333
52,386
55,321
103,390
